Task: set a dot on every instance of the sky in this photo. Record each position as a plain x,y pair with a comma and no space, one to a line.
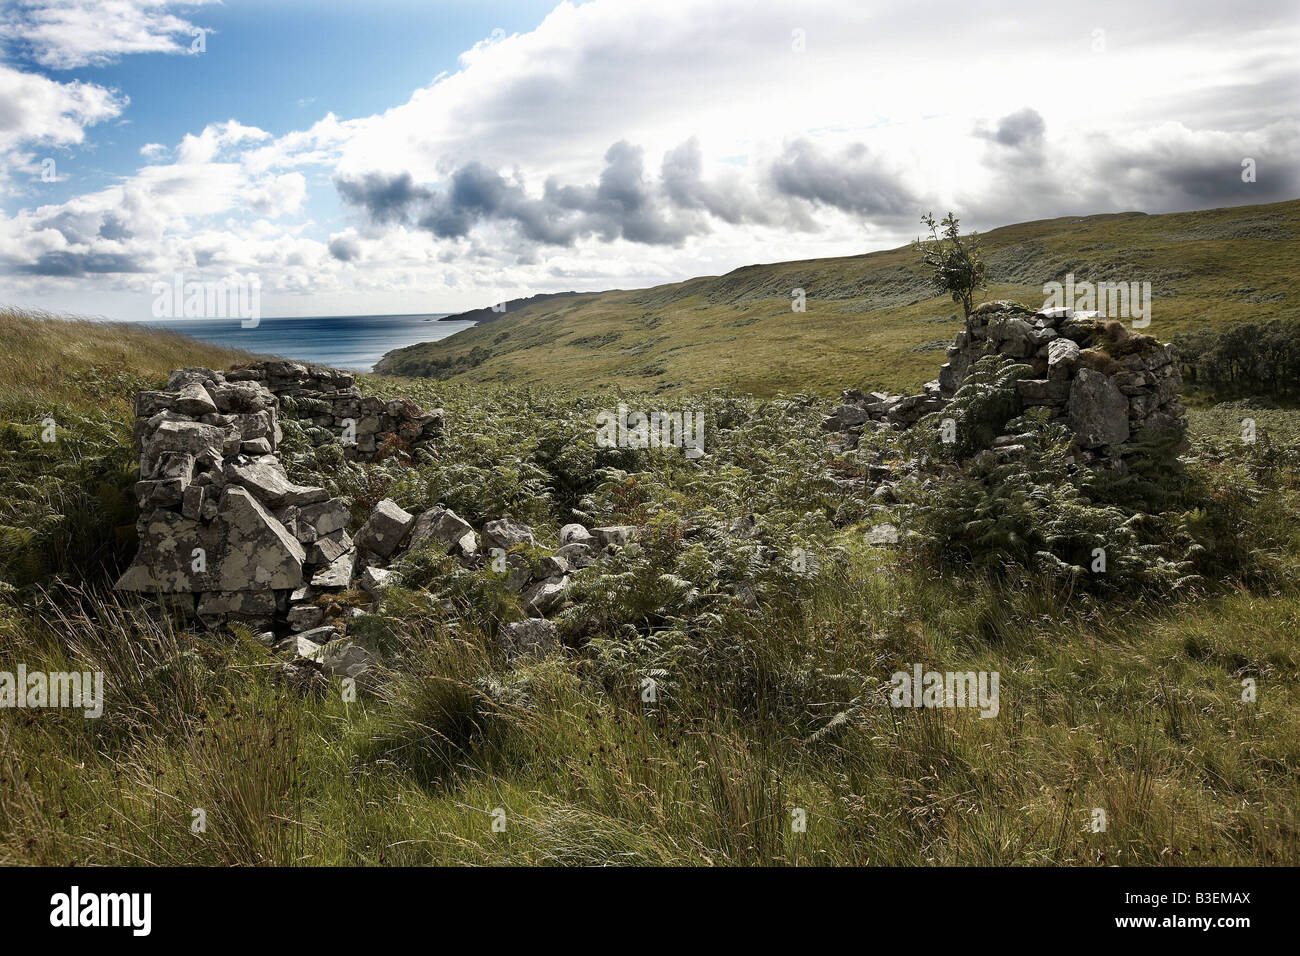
415,157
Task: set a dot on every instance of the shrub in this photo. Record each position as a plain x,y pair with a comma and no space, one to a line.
958,266
1249,358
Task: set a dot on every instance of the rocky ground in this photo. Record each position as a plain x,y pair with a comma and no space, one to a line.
226,536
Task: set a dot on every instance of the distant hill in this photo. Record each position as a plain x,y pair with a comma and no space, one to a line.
872,320
491,314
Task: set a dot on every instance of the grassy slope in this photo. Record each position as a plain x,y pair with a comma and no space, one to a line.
68,504
1134,709
871,320
47,362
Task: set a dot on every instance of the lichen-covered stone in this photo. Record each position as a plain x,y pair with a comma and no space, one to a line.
259,551
443,528
506,533
617,535
338,573
193,399
328,548
175,554
545,596
532,637
265,477
1098,410
385,529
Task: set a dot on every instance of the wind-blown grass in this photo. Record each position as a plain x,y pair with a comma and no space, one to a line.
768,683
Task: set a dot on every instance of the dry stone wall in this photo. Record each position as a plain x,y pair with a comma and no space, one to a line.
222,529
327,401
1105,383
224,534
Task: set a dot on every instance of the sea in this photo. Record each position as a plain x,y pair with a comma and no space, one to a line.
353,342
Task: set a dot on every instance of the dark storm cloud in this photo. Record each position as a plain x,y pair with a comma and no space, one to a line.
1174,175
622,204
1018,148
1168,169
1024,128
626,204
79,264
385,199
851,180
730,201
345,248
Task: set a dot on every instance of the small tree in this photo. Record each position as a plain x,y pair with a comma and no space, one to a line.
957,263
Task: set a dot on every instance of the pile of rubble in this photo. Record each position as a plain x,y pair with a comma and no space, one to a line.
1105,383
225,535
504,545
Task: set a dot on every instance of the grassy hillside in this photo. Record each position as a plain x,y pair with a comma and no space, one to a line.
1121,693
491,314
871,320
66,506
47,362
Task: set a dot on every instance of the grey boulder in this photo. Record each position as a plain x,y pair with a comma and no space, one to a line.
545,596
506,533
445,529
1098,410
532,637
617,535
385,529
259,550
343,658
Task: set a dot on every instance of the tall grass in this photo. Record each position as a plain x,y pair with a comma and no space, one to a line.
1136,713
769,707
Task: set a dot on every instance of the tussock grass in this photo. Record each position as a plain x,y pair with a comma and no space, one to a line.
1139,714
1129,702
67,504
51,362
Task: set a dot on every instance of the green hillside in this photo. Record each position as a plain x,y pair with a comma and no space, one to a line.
871,320
1121,691
66,506
48,363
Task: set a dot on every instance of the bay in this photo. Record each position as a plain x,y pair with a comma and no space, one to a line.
353,342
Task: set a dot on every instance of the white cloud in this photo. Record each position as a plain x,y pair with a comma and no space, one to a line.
631,142
35,109
161,217
39,113
63,34
217,138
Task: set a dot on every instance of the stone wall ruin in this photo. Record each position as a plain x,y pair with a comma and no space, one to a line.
225,535
1105,383
222,530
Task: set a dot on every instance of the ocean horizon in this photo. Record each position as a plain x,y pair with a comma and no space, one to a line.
353,342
